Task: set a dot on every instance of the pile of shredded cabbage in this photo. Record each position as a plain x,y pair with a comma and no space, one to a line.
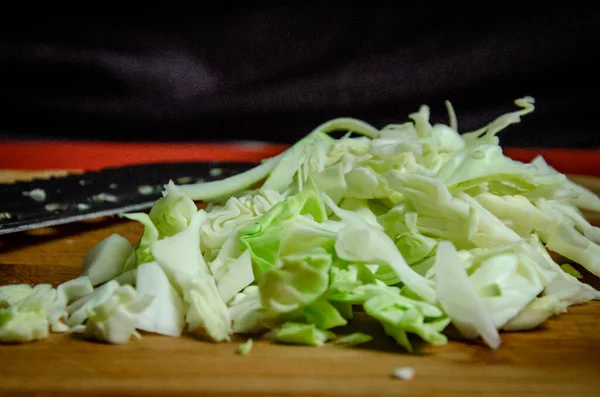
415,225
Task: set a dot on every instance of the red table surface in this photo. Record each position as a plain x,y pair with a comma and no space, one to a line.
66,155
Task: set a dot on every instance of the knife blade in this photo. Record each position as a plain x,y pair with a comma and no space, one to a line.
93,194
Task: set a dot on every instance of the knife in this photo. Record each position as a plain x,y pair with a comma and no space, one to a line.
109,191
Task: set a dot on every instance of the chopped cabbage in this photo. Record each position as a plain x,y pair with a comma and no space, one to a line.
415,224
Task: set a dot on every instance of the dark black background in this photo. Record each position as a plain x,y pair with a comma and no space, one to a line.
273,72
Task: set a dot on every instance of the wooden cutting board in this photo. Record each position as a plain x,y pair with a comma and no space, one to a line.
562,358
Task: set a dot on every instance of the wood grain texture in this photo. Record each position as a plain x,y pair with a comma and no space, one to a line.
562,358
9,176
